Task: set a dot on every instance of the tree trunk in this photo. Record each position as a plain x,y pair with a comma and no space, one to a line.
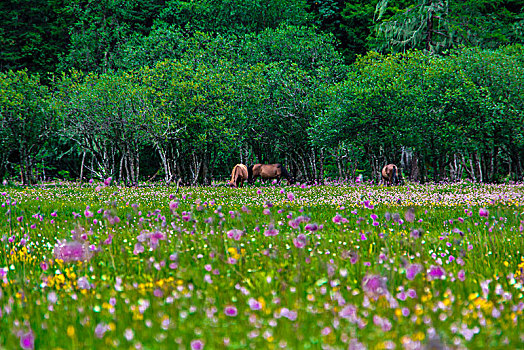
82,167
479,166
415,171
120,172
321,171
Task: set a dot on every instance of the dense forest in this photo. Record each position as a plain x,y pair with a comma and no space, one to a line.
152,90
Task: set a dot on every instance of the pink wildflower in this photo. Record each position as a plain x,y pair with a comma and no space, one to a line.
374,285
197,344
230,311
337,219
413,270
461,275
301,241
27,340
436,272
271,231
254,304
72,251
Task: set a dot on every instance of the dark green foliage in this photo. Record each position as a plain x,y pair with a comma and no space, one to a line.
101,28
438,25
33,34
235,17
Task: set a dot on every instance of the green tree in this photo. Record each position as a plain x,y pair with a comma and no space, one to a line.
25,120
108,116
195,98
449,115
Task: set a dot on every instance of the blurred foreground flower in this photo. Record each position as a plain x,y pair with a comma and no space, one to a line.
27,340
300,241
374,285
72,251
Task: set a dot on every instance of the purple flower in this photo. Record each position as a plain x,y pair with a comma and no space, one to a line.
374,285
101,329
230,311
289,314
72,251
325,331
52,298
83,283
254,304
235,234
139,248
290,196
107,181
301,241
354,344
3,274
108,240
483,212
383,323
313,227
271,231
415,234
413,270
197,344
436,272
461,275
88,213
353,257
27,340
337,218
294,223
173,206
349,312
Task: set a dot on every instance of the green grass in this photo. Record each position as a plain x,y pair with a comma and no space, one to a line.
178,290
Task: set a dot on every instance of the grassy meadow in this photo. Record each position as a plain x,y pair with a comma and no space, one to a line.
305,267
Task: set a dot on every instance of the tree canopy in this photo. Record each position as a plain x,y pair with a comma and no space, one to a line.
143,90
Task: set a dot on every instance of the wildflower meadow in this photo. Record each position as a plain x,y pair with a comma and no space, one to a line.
338,266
